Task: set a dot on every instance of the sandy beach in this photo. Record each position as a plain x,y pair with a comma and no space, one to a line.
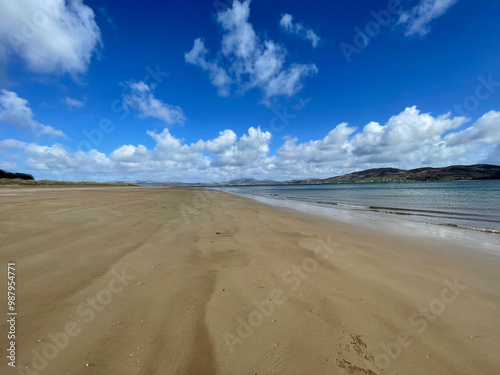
183,281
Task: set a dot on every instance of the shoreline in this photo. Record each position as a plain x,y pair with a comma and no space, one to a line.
165,280
371,217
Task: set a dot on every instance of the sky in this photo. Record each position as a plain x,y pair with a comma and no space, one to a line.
205,91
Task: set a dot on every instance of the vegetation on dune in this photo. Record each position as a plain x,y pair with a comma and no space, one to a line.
10,182
23,179
19,176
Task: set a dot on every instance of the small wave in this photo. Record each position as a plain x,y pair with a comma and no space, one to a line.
457,213
350,205
442,215
394,211
468,227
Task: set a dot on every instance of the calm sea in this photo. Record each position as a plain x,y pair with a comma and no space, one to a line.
468,204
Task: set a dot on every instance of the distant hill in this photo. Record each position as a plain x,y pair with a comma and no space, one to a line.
249,181
452,173
237,182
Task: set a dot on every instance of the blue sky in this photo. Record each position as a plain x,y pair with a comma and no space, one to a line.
214,90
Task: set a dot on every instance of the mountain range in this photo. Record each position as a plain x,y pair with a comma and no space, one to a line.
451,173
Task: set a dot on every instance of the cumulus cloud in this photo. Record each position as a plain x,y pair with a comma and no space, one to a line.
246,61
171,149
218,75
140,98
409,139
130,154
222,143
216,158
251,148
486,130
306,33
73,103
14,111
417,20
334,146
51,36
408,136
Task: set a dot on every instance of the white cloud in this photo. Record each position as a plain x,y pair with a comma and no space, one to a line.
486,130
221,157
222,143
171,149
409,139
14,111
247,62
11,144
73,103
417,20
251,148
141,98
410,135
129,154
333,146
56,157
306,33
218,76
51,36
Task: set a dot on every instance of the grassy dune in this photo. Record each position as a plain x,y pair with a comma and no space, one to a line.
16,182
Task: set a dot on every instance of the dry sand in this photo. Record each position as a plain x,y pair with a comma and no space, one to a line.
179,281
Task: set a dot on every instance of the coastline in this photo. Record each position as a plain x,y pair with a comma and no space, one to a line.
366,217
216,283
403,220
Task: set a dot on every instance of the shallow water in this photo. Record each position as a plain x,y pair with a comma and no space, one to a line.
465,204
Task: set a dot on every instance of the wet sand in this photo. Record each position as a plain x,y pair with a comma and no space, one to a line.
181,281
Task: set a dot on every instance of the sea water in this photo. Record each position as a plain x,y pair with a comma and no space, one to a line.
473,205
